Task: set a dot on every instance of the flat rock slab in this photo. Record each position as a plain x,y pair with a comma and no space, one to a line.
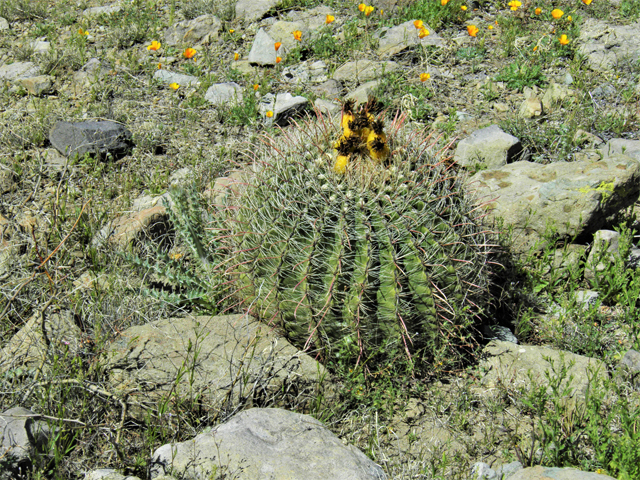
102,137
489,147
287,106
223,361
263,443
167,77
395,40
522,366
263,52
224,94
576,198
18,70
553,473
363,70
606,45
198,31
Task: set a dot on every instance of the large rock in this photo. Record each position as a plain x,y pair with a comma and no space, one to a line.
263,52
488,147
219,362
23,434
102,137
553,473
266,443
575,198
198,31
605,45
395,40
282,32
522,366
363,70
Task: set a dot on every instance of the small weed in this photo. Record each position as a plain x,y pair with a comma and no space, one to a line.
518,75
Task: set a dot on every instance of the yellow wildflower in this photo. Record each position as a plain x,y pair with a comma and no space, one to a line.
564,40
473,30
538,11
418,24
329,19
424,77
423,32
556,13
463,8
297,35
155,45
514,5
368,10
269,114
174,85
361,7
189,52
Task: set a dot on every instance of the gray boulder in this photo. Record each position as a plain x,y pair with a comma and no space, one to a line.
266,443
488,147
198,31
605,248
393,41
37,86
222,362
263,52
575,198
521,366
23,435
553,473
102,137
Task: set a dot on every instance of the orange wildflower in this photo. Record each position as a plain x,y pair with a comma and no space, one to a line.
278,45
361,7
556,13
189,52
269,114
236,56
155,45
473,30
423,32
538,11
418,24
278,59
297,35
329,19
563,39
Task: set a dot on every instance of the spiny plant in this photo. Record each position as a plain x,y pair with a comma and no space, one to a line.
363,260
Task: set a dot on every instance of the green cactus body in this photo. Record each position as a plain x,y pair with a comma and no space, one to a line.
378,261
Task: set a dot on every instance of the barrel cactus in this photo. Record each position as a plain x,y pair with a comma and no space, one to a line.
374,260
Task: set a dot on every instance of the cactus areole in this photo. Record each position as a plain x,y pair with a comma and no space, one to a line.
378,258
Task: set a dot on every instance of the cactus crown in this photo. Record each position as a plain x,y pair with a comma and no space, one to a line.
367,262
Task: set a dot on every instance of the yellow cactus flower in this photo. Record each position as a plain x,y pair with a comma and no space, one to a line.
155,45
556,13
473,30
340,166
236,56
159,66
83,32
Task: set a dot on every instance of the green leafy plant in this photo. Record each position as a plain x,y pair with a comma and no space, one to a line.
518,75
380,262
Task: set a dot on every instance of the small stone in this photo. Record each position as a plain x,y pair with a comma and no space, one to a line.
101,137
318,72
198,31
585,138
605,248
167,77
224,93
482,471
4,24
363,70
395,40
41,47
37,86
555,95
531,107
586,298
296,74
263,52
106,10
631,361
19,70
501,107
490,147
331,88
361,94
327,107
252,10
498,332
22,435
287,106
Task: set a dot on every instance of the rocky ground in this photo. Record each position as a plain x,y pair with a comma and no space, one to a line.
186,91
